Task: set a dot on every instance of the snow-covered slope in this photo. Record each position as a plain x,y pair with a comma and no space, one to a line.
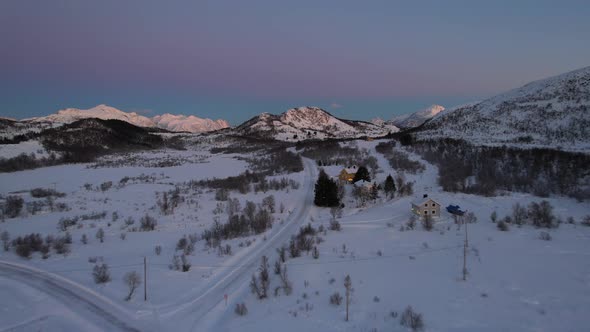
553,112
188,123
415,119
104,112
309,123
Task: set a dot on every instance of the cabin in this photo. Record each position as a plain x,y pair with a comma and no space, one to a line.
426,206
347,174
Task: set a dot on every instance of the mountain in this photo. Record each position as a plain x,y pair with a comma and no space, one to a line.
167,121
553,112
102,112
415,119
308,123
190,123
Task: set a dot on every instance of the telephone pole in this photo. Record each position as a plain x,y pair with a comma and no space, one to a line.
144,278
465,245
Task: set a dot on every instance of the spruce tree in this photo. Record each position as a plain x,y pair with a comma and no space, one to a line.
362,174
326,191
389,186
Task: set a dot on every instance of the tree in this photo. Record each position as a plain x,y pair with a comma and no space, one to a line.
389,186
259,285
100,235
132,280
5,237
362,174
374,191
326,191
348,287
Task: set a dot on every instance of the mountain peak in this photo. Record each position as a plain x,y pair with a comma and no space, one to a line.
417,118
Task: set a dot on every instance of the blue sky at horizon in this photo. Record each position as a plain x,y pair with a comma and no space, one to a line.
233,60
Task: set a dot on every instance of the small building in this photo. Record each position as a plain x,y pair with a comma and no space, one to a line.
426,206
347,174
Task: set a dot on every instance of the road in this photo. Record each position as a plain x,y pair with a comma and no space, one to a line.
77,298
233,279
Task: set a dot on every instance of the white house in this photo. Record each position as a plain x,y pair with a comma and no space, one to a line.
426,206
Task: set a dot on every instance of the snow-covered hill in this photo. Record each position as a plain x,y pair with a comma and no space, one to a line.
104,112
309,123
553,112
415,119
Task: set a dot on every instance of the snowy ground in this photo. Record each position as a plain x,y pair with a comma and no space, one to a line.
516,281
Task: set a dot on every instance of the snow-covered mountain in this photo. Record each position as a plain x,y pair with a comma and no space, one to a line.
415,119
189,123
102,112
308,123
167,121
553,112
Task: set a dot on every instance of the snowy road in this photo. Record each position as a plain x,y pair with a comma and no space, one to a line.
196,311
97,310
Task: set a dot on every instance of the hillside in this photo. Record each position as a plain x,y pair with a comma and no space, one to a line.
553,112
308,123
415,119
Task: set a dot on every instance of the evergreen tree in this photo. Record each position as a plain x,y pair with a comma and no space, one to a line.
326,191
389,186
362,174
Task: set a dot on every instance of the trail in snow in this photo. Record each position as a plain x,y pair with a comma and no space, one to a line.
79,299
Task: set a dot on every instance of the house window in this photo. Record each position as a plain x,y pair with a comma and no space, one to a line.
433,205
433,212
425,212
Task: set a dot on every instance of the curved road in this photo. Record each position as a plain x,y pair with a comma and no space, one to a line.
74,296
198,308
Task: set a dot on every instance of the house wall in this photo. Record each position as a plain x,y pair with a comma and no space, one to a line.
419,210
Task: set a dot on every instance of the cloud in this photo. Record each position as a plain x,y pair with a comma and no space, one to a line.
335,105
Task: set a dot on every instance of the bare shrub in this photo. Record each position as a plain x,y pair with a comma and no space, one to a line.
412,319
5,238
502,225
334,225
13,206
158,250
411,223
315,253
336,299
101,273
132,280
241,309
259,285
148,223
545,236
84,239
61,246
286,284
427,222
541,214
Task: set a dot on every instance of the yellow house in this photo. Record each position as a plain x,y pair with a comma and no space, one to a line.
426,206
347,174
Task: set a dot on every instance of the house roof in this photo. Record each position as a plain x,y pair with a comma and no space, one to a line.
421,201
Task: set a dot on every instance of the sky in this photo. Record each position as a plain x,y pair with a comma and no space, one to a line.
236,59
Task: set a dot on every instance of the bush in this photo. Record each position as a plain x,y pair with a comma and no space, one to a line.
158,250
100,235
13,206
315,253
101,273
541,214
545,236
241,309
24,250
412,319
5,238
336,299
334,225
148,223
41,193
61,246
427,222
502,225
586,221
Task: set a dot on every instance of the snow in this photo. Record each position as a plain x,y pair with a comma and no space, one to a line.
516,281
166,121
417,118
27,147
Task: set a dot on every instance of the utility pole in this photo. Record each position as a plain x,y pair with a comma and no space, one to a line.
465,244
144,278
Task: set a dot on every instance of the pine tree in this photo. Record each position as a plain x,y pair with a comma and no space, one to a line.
389,186
362,174
326,191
